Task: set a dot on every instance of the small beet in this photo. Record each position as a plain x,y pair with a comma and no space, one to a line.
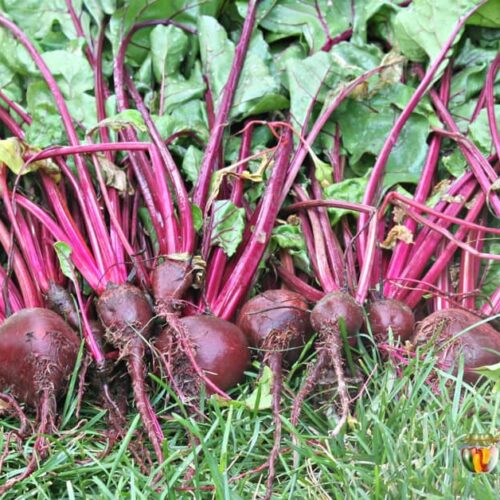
280,314
390,313
325,319
127,315
334,306
480,346
170,281
220,348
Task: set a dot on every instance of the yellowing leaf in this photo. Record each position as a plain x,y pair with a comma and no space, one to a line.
398,232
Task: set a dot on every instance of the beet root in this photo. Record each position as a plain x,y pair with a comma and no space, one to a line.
170,281
480,345
38,352
390,313
127,315
216,350
277,320
326,319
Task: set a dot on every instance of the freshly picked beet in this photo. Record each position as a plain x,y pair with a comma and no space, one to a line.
390,313
38,352
278,323
219,348
127,315
327,313
170,281
326,318
480,345
277,320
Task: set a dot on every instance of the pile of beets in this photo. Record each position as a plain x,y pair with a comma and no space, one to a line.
132,278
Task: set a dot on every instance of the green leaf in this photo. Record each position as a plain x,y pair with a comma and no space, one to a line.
258,89
169,46
488,15
197,217
351,190
63,252
424,27
291,238
47,128
493,373
261,397
285,18
227,226
191,163
38,18
377,115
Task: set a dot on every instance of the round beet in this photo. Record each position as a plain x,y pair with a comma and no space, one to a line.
38,351
277,319
390,313
328,311
326,319
170,281
480,346
220,348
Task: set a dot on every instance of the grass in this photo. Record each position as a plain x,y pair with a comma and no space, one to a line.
403,442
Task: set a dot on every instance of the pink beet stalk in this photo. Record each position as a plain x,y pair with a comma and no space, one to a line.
221,118
374,183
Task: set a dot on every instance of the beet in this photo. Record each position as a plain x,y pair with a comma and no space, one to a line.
38,352
480,346
390,313
331,308
170,281
126,314
325,319
277,319
220,349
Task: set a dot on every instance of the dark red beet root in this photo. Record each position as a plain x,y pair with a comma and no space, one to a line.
325,319
171,280
278,319
389,313
480,346
278,322
38,352
126,314
334,306
220,348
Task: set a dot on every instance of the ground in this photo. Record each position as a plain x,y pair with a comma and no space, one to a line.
402,442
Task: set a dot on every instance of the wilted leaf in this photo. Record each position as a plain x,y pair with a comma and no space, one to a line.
398,232
129,117
12,152
114,176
